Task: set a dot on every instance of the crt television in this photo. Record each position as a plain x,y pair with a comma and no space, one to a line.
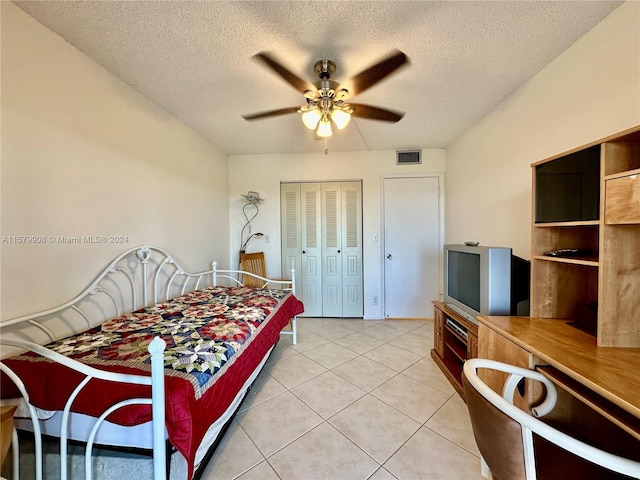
477,280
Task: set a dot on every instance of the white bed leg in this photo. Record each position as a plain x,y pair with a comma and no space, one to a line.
484,468
15,444
294,329
156,348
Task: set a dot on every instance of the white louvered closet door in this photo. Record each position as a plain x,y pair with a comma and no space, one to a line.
322,233
290,228
331,250
352,297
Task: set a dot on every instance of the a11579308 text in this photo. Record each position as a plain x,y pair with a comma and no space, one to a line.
63,239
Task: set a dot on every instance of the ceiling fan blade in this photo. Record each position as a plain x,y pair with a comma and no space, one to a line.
270,113
375,113
291,78
372,75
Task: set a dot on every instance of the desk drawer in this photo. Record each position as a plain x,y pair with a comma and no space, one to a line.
622,200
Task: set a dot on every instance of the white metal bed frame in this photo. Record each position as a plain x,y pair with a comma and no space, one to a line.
114,291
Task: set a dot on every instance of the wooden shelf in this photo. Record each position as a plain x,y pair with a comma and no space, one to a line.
589,262
451,348
626,173
601,287
585,223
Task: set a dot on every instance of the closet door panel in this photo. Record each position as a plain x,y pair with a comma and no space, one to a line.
290,232
331,249
311,254
351,247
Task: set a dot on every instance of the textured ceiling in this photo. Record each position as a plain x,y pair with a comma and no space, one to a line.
194,59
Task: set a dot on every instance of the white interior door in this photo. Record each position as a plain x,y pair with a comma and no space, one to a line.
411,246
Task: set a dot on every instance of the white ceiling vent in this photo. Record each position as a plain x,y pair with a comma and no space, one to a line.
408,157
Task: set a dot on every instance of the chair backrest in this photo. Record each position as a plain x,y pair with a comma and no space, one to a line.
515,445
253,263
498,436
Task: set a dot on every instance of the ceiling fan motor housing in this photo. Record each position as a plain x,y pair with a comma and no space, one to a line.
324,68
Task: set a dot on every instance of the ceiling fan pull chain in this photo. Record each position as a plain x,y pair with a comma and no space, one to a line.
326,149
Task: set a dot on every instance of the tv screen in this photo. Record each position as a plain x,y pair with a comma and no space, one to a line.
464,278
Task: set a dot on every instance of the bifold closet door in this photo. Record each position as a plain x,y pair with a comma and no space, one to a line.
322,236
351,249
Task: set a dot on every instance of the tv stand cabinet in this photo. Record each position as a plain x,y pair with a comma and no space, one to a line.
455,340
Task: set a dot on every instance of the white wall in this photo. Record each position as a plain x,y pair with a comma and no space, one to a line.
85,154
590,91
263,173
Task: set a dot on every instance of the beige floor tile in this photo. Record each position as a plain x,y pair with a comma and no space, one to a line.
393,357
322,454
421,345
413,398
364,373
407,325
428,456
382,474
293,371
427,372
264,388
357,324
235,454
335,330
262,471
307,340
330,355
313,323
328,393
281,350
382,332
359,343
425,330
452,422
374,426
277,422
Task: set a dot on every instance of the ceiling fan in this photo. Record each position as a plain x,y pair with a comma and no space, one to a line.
326,101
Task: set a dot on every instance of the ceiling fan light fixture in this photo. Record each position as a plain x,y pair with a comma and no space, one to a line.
340,117
311,117
324,127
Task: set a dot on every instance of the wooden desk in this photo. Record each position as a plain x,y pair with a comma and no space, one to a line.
606,378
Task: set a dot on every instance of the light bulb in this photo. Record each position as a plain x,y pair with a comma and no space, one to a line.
324,127
340,118
310,118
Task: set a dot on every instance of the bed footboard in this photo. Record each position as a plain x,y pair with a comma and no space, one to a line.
156,400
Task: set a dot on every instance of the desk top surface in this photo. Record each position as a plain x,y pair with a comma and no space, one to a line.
611,372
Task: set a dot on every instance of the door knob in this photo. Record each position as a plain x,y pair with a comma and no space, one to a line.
338,251
303,251
389,256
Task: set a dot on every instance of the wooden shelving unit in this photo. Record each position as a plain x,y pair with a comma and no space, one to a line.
456,340
589,199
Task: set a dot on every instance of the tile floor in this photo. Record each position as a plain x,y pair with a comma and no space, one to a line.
353,400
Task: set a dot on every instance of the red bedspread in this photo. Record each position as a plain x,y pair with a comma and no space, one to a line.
216,337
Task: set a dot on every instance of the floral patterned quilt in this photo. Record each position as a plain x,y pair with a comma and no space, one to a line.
211,334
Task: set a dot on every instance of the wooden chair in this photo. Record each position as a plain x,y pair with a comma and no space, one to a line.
6,429
255,263
515,445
